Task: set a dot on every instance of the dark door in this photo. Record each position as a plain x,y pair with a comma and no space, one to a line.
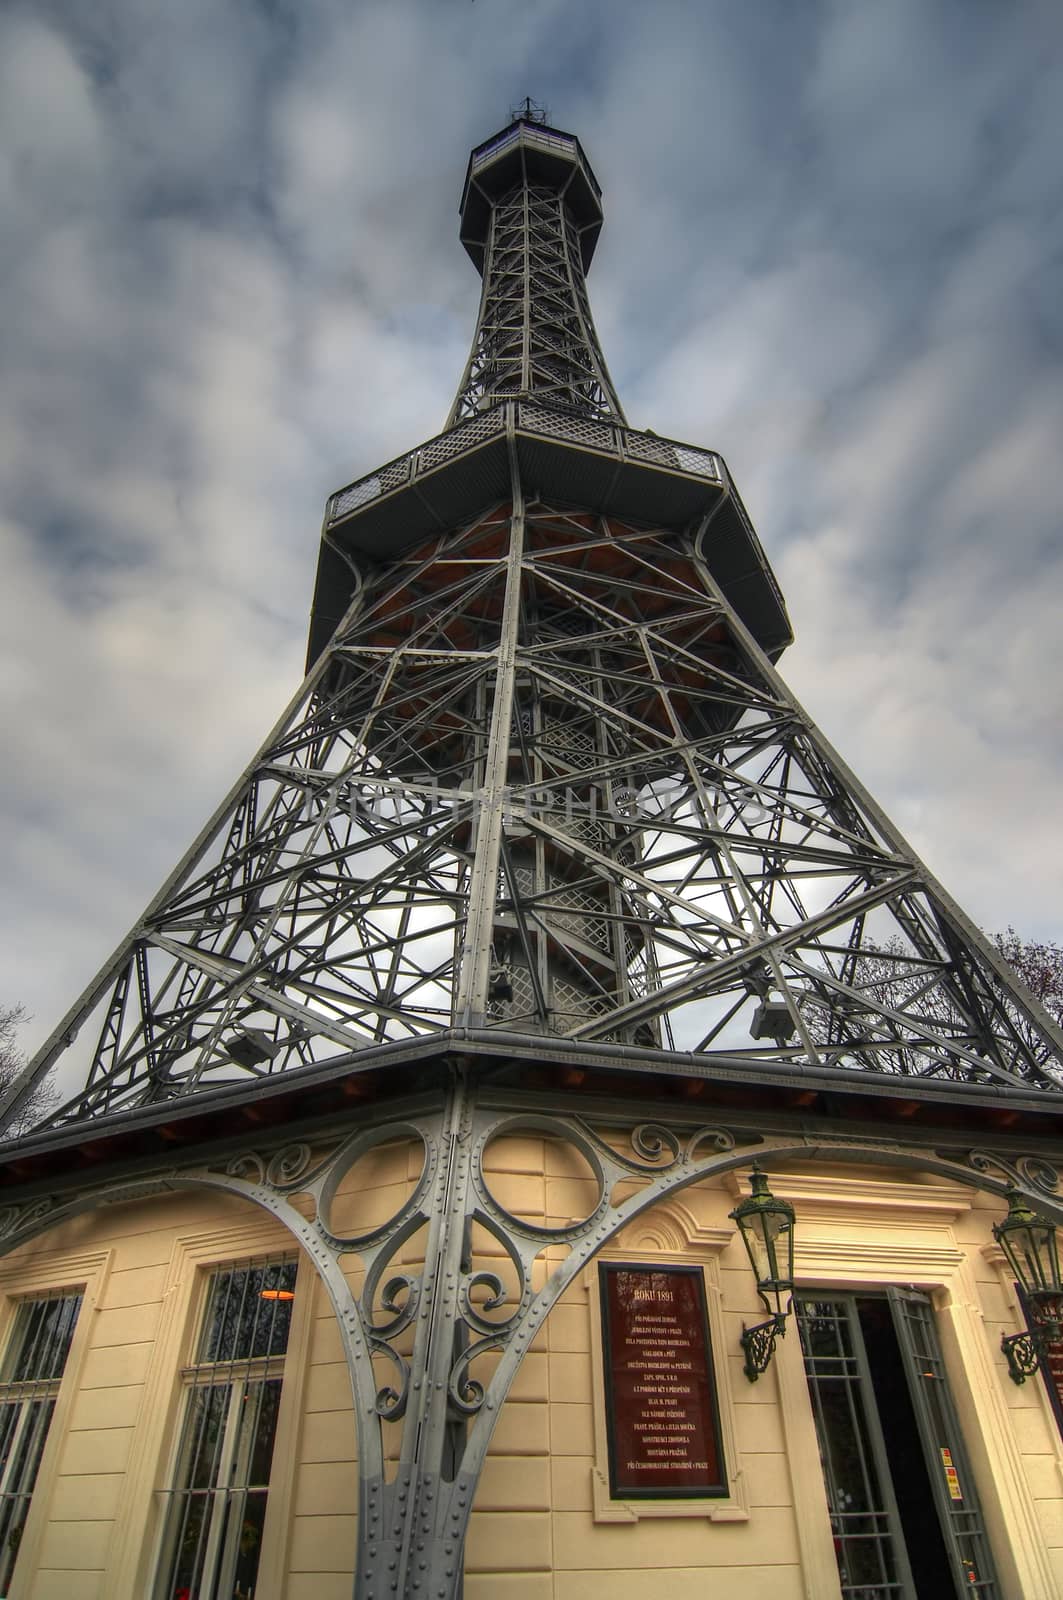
904,1511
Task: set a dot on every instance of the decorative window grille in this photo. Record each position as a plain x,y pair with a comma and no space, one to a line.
217,1505
29,1383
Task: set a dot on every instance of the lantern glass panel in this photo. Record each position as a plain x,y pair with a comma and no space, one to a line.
767,1228
770,1237
1032,1249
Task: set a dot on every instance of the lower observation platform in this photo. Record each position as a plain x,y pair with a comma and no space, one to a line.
563,457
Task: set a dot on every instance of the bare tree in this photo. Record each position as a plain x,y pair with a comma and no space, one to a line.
11,1019
906,1001
12,1061
1037,963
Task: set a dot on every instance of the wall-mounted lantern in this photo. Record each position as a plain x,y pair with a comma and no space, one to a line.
1032,1249
767,1229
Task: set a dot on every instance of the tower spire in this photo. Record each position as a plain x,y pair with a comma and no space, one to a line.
528,110
531,213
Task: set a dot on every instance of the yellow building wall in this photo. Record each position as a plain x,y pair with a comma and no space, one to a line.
543,1526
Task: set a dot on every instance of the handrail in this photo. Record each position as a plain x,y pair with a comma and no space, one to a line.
527,416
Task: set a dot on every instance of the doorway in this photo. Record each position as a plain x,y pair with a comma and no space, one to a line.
904,1510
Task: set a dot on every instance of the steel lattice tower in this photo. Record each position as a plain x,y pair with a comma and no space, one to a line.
543,815
543,777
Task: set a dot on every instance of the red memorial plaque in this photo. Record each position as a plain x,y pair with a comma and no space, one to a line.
664,1436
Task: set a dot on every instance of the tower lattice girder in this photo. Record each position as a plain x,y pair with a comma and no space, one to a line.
531,213
544,782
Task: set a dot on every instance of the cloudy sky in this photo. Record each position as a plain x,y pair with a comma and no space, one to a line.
232,283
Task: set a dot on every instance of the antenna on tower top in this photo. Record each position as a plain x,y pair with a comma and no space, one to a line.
528,111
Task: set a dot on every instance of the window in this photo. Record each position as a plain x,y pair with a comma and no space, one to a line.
213,1538
29,1383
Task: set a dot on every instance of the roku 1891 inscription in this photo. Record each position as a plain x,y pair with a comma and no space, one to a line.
664,1435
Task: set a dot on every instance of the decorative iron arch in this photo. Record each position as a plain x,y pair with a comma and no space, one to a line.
412,1528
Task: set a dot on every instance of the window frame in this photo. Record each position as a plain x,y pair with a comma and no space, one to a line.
135,1551
237,1373
27,1393
22,1278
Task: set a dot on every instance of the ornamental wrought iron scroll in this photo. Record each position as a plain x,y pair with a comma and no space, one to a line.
415,1332
1031,1174
666,1158
431,1327
414,1337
